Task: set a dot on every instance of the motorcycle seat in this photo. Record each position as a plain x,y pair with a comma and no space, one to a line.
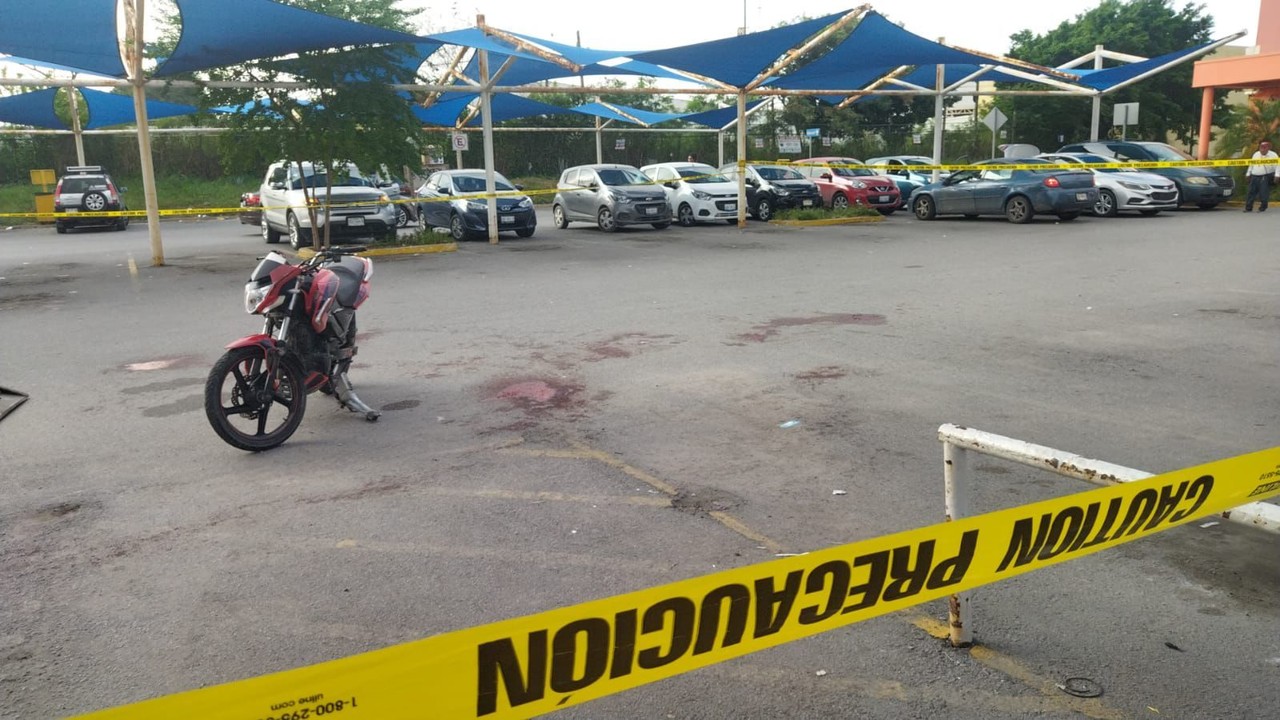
350,272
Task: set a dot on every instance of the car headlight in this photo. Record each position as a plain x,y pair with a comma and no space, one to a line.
701,195
781,192
525,203
383,199
620,198
1197,180
859,184
474,206
1134,186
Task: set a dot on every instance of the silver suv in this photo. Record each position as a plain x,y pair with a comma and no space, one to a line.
610,196
87,189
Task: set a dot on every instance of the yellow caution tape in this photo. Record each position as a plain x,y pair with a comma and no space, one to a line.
533,665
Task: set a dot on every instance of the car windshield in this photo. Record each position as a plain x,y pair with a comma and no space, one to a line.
778,173
318,181
1096,160
476,183
850,171
622,176
82,184
1165,152
913,161
701,175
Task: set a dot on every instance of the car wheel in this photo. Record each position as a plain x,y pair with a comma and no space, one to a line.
524,232
270,236
731,221
60,228
605,220
457,230
764,209
1018,210
1106,204
402,216
94,201
122,224
558,216
1148,213
887,211
839,201
684,216
297,235
924,208
1068,216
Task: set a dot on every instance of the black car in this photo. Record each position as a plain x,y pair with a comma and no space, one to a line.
775,187
1202,187
87,189
455,199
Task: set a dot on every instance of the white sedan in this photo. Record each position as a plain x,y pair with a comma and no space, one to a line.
1118,190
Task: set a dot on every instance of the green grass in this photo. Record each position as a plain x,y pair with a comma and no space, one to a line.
541,190
826,214
175,192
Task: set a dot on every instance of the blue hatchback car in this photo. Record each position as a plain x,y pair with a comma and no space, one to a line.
1017,194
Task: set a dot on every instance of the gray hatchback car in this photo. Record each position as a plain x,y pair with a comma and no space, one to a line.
610,196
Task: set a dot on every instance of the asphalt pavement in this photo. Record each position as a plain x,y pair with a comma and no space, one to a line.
582,414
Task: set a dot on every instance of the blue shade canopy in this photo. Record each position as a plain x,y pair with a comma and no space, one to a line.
719,117
74,34
738,60
445,110
511,107
647,117
33,108
475,38
524,71
264,29
575,54
1110,77
874,48
926,75
106,109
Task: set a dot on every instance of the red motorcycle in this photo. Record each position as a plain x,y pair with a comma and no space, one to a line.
257,392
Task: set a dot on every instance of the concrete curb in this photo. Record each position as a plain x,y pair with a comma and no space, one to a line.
828,221
405,250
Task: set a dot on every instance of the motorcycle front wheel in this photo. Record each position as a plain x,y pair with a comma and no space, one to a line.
250,406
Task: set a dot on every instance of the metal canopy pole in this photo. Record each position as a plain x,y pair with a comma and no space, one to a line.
599,142
1096,125
73,97
133,47
939,117
486,111
742,160
720,148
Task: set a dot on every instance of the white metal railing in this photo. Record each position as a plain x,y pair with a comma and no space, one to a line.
958,441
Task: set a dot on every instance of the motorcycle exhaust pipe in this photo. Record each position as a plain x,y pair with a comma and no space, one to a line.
348,399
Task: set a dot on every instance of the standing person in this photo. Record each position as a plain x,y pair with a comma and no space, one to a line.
1263,171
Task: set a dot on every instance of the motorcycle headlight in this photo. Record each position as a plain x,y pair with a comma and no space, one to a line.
859,184
621,198
525,203
701,195
474,206
1134,186
254,294
1197,180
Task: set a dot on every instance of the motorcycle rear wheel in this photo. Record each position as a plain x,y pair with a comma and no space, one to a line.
238,406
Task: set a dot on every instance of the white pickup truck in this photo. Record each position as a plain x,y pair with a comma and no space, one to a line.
359,209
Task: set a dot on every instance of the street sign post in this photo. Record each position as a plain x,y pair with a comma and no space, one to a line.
994,120
1126,114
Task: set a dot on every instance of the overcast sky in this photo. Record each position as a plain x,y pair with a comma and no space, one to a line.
652,24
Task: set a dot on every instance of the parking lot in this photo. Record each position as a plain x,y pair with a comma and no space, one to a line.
581,414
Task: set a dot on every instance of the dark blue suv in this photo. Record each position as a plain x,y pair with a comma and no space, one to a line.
1203,187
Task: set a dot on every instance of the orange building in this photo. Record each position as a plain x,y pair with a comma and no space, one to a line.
1257,70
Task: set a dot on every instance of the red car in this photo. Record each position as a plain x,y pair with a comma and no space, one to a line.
844,181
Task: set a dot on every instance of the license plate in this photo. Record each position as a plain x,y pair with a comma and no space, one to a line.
73,210
507,218
1226,193
730,206
882,198
355,221
1082,196
807,203
651,211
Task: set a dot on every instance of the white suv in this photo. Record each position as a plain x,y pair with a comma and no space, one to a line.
697,192
358,210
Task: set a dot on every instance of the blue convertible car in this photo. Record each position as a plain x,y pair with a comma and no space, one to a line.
1016,194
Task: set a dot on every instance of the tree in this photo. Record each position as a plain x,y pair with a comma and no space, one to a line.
1249,125
350,113
1148,28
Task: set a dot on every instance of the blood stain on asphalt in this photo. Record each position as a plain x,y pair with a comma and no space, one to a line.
772,328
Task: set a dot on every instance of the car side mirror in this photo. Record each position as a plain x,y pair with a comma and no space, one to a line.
591,185
445,191
277,186
519,186
671,184
825,176
753,182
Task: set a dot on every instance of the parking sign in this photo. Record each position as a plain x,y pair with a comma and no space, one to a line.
460,142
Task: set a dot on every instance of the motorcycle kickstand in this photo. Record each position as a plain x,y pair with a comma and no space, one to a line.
348,399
